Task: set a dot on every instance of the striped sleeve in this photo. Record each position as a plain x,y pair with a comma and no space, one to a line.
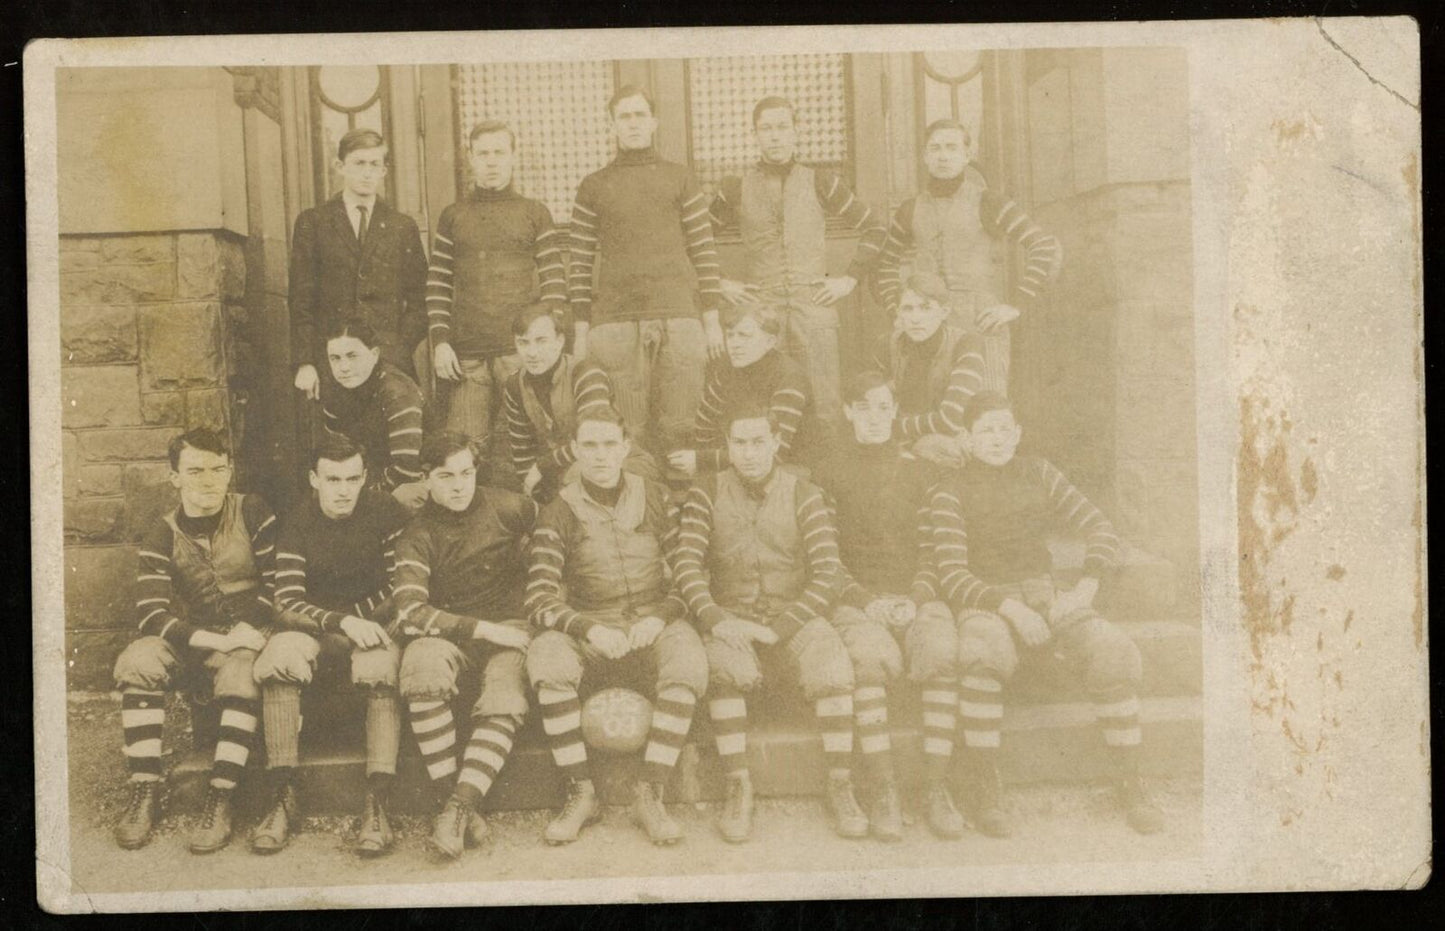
372,605
964,381
1080,517
839,201
401,404
960,588
1043,255
820,547
591,391
296,612
523,443
155,615
551,269
439,281
712,454
258,516
547,561
694,535
411,589
896,246
582,253
701,247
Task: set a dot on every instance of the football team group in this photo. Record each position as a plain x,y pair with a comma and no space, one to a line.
548,462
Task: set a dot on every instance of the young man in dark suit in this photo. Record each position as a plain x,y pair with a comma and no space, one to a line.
356,257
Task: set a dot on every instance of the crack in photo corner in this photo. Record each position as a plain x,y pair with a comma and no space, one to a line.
1320,25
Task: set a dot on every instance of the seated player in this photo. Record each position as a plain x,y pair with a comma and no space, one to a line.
757,565
376,405
544,400
754,374
333,598
878,489
203,600
601,542
991,521
458,592
935,369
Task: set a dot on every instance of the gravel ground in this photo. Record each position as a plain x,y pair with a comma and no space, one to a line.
1052,824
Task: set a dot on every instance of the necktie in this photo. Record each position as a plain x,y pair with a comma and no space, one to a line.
361,227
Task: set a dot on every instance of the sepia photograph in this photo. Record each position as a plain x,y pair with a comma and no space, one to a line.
727,472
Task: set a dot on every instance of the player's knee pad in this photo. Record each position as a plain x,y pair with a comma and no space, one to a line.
985,645
148,663
289,657
730,668
874,653
932,643
376,668
429,667
236,678
504,686
824,666
681,659
1112,659
553,661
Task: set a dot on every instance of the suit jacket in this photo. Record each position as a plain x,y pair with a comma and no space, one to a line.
333,276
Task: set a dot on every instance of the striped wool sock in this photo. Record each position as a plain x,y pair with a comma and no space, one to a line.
835,722
980,711
436,737
233,741
383,730
729,715
142,718
671,720
870,716
1117,713
562,723
486,754
281,717
940,720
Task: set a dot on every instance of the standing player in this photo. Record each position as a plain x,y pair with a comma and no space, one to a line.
757,565
203,600
601,542
355,257
458,591
333,594
963,231
991,523
495,252
782,209
640,227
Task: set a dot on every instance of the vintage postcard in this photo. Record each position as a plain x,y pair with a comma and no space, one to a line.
715,464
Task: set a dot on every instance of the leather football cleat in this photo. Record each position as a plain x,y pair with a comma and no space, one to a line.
736,821
648,811
449,830
843,808
133,830
1139,809
580,810
944,819
375,836
885,816
214,831
274,831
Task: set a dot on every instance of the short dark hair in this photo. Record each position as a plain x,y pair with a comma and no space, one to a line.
353,327
438,447
938,126
335,447
537,311
486,127
629,90
928,285
599,413
983,403
358,138
750,412
202,438
767,317
857,387
774,103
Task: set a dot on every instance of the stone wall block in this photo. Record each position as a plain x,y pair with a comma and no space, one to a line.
163,407
100,396
137,249
233,269
94,520
207,408
100,480
198,267
98,334
127,444
181,346
119,284
69,464
99,586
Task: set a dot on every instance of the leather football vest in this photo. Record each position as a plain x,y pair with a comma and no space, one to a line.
756,552
212,570
555,427
783,228
618,564
940,367
950,241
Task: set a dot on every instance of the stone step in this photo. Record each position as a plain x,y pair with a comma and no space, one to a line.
1042,743
1143,586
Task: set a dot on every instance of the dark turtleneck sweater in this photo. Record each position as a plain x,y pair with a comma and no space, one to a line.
495,252
454,568
384,416
647,220
775,382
